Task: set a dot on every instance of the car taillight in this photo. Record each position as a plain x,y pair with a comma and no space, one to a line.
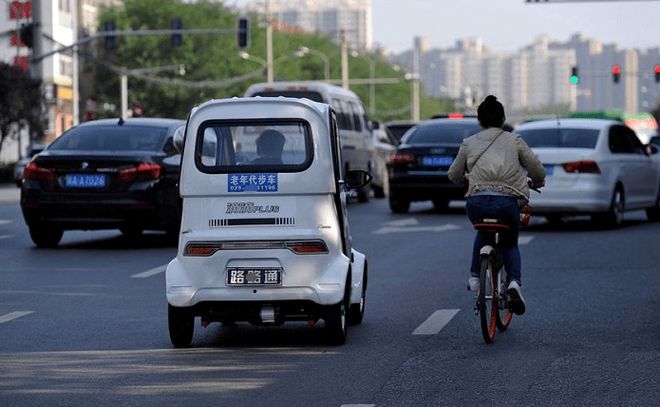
33,172
141,172
402,158
584,166
307,247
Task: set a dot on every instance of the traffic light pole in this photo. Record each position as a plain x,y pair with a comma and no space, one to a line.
135,33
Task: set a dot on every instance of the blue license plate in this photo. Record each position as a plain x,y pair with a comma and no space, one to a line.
85,180
437,160
549,169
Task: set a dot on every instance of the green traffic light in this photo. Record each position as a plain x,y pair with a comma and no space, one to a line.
574,79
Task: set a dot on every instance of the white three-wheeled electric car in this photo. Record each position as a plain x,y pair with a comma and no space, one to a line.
264,231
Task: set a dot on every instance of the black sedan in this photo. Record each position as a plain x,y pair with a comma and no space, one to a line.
418,168
104,174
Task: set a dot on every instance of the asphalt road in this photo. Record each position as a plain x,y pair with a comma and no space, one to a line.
86,324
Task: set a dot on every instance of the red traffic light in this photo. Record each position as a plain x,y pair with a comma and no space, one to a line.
616,73
657,73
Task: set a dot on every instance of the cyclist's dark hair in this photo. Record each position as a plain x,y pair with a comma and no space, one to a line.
490,113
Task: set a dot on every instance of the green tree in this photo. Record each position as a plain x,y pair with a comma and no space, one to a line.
20,103
214,58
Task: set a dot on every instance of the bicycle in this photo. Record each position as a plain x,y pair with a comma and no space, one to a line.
492,301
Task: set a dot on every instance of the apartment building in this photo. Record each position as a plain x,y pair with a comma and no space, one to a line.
352,17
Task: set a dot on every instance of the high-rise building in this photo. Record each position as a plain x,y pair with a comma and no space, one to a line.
353,17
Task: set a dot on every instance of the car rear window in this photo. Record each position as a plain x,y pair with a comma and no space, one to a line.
111,137
251,146
562,138
300,94
444,132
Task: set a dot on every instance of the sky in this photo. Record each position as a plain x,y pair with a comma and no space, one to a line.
507,25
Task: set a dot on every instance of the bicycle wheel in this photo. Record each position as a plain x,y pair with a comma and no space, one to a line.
504,313
487,299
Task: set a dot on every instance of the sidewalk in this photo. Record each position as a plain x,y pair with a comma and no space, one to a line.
9,193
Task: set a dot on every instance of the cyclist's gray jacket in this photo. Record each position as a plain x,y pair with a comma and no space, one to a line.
501,168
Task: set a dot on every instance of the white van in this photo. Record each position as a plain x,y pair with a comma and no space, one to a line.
264,230
354,127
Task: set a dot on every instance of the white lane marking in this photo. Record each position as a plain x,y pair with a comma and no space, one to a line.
436,322
4,222
524,239
388,230
358,405
403,222
5,236
13,315
152,272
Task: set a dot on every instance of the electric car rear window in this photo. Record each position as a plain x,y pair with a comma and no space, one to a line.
252,146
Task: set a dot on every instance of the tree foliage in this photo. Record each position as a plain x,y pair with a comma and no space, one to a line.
215,57
20,103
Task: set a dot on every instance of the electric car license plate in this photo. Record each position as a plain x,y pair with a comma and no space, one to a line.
549,169
239,276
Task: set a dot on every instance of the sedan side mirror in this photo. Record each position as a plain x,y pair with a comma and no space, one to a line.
179,138
356,179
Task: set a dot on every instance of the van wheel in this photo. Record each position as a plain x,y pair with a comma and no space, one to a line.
363,194
44,235
181,323
336,319
356,312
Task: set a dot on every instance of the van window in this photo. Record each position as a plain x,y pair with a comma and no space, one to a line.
344,117
355,114
253,146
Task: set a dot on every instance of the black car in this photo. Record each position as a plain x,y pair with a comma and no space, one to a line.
399,127
418,168
104,174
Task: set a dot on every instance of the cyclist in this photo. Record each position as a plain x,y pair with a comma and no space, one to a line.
496,165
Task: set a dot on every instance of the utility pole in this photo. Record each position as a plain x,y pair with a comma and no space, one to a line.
76,78
415,84
269,45
344,60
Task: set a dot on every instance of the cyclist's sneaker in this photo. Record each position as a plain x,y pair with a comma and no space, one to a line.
473,284
516,300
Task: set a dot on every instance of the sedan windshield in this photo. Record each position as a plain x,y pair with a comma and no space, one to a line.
452,133
111,137
561,138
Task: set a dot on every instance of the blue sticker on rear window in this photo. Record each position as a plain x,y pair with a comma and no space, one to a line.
259,182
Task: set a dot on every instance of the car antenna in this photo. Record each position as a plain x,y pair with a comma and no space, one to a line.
121,121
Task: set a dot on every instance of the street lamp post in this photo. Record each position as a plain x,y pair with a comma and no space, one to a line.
179,68
302,51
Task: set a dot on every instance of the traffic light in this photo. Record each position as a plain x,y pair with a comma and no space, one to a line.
177,38
616,73
26,34
243,32
575,77
656,69
110,40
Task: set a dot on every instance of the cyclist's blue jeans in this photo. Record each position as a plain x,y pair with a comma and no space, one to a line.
503,207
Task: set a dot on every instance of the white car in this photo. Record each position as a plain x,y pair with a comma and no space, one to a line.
594,166
384,144
264,231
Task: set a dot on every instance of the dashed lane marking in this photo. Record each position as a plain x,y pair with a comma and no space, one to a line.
5,236
409,229
524,239
152,272
4,221
358,405
14,315
434,324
